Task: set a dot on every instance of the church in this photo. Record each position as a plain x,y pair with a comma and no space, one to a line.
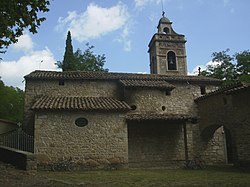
99,119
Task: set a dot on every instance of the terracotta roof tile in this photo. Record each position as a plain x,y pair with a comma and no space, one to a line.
147,83
169,117
80,103
73,75
227,89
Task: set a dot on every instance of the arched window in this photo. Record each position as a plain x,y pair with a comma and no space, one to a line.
171,58
166,30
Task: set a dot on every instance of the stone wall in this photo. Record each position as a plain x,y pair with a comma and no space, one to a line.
180,101
213,150
20,159
36,88
155,144
102,142
231,111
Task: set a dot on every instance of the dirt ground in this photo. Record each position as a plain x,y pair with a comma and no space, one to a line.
10,176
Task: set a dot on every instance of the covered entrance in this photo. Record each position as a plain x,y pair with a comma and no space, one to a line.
157,140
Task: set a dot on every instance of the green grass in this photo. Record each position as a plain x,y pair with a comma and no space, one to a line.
214,176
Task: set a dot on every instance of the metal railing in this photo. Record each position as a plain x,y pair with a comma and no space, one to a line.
18,139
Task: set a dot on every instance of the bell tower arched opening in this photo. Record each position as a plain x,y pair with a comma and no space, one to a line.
171,61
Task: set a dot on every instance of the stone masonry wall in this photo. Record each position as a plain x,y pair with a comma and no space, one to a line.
232,111
155,144
101,143
180,101
36,88
213,150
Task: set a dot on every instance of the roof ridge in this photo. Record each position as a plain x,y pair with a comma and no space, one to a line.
88,75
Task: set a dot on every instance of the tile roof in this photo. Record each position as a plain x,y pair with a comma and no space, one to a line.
73,75
168,117
244,86
147,83
227,90
80,103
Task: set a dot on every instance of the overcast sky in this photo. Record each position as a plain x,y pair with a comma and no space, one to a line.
122,30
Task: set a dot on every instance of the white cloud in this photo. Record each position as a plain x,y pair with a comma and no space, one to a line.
203,67
196,70
12,72
96,21
124,38
62,22
142,3
24,43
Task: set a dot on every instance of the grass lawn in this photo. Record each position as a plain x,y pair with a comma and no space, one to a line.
213,176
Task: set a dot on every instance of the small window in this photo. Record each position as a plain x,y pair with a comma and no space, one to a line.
203,90
133,107
163,108
61,82
168,92
81,122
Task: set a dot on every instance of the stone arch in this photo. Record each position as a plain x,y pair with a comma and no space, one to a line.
217,144
171,60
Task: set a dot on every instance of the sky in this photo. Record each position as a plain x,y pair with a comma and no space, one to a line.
121,30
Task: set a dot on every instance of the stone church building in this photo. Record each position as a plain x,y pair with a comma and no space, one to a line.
132,120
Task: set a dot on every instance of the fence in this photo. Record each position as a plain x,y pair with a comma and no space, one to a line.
18,139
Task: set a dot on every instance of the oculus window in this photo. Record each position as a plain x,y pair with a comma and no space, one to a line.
81,122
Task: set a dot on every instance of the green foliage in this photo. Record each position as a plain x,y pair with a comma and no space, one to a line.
69,60
88,61
11,103
243,65
81,60
15,15
227,69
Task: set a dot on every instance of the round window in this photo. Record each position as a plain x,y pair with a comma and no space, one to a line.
81,122
133,107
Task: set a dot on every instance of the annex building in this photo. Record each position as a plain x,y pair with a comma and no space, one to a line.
131,120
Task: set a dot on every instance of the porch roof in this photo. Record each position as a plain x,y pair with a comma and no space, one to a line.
231,89
161,117
79,103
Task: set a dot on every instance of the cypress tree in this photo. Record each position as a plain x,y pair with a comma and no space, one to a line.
69,60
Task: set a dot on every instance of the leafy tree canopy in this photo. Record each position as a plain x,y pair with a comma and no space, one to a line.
11,103
88,61
85,60
229,68
15,15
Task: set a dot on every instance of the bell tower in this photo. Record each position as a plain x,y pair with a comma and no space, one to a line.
167,50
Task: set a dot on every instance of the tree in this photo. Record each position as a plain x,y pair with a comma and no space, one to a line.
243,65
223,68
16,15
81,60
11,103
69,60
231,69
88,61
